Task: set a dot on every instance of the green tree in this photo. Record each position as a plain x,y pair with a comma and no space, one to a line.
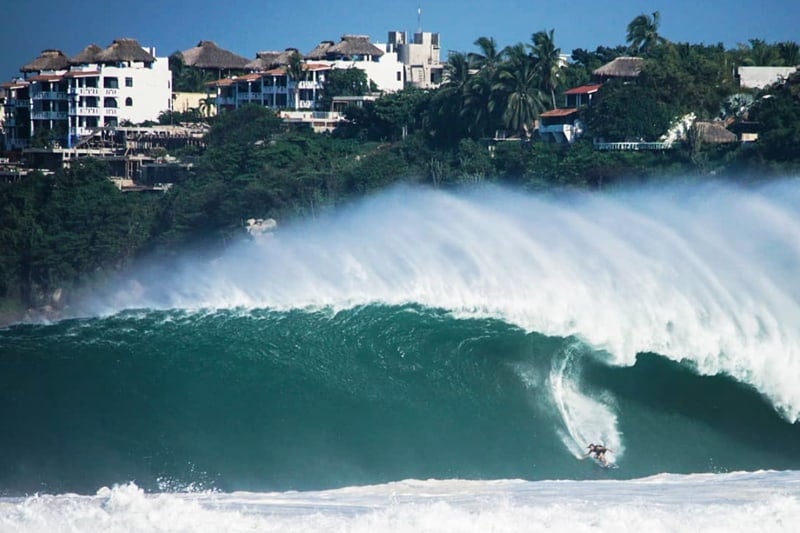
642,35
296,71
524,99
548,61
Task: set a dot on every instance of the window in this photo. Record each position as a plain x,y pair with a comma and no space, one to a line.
110,102
128,82
110,83
128,102
398,76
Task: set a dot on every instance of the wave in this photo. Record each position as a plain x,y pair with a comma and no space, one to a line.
702,273
309,399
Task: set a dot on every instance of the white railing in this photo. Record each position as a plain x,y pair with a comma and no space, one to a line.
87,111
308,84
110,92
640,145
110,111
49,115
49,95
85,91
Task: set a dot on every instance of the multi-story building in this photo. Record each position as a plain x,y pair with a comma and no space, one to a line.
60,100
379,61
420,58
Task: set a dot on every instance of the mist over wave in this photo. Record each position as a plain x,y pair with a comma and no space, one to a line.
701,273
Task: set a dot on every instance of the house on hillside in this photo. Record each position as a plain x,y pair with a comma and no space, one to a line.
380,63
563,125
420,58
273,88
61,99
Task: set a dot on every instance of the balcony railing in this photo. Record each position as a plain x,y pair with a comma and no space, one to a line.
49,115
110,92
86,111
633,146
110,111
49,95
85,91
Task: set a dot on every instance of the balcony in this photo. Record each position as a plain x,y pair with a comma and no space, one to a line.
86,111
85,91
308,84
49,115
110,92
110,111
49,95
249,96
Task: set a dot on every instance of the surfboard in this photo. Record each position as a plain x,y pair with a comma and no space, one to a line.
608,466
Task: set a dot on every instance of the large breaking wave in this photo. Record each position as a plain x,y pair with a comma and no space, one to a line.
700,273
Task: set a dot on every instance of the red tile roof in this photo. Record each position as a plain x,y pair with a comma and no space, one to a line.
584,89
46,77
81,73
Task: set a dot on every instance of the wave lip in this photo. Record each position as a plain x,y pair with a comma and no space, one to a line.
703,273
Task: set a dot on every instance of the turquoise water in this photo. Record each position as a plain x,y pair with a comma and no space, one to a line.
266,400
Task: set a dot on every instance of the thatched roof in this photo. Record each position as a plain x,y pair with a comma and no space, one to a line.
353,45
47,60
124,50
320,51
85,56
621,67
208,55
271,59
714,132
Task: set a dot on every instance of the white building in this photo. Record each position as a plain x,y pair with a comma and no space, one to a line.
61,100
420,58
379,60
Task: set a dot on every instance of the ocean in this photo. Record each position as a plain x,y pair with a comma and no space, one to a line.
427,360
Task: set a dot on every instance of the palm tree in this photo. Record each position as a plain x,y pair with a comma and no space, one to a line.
489,56
548,61
789,52
296,71
520,84
479,102
643,33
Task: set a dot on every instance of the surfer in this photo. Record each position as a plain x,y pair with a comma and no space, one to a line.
599,452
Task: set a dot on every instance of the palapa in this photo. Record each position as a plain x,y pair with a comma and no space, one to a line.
48,60
207,55
124,50
320,51
271,59
353,45
86,56
714,132
621,67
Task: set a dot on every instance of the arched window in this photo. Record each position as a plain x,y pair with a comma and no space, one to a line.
128,102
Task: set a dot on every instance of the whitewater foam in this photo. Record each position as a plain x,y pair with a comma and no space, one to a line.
761,501
704,273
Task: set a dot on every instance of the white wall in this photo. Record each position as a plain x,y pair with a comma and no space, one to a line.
759,77
384,72
151,92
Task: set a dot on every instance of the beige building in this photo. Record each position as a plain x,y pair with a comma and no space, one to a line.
420,58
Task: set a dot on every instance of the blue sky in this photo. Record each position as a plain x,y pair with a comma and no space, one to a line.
247,26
